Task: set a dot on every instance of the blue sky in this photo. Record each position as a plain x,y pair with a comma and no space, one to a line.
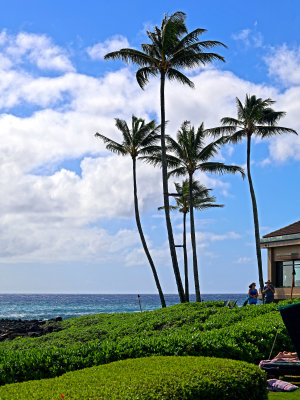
66,207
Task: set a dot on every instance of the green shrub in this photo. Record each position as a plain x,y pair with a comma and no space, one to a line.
194,329
158,378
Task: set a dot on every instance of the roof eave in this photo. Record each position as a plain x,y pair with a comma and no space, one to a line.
274,239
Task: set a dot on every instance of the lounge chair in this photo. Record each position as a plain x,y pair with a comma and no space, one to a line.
226,303
276,367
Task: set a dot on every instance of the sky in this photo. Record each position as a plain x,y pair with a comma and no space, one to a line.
66,206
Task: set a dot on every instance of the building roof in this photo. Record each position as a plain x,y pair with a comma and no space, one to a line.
287,230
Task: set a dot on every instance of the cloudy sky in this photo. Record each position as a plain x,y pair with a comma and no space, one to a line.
66,204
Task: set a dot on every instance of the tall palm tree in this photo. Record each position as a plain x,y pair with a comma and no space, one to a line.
254,118
171,49
140,140
201,200
186,155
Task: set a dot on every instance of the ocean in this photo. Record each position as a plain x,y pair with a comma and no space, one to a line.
46,306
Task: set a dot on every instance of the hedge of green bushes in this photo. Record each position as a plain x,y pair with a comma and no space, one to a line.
194,329
159,378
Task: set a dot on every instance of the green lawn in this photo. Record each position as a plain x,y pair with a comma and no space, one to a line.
285,396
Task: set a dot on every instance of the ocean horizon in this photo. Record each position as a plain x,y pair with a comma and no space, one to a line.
51,305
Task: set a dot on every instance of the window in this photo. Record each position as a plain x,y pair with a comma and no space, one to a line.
284,273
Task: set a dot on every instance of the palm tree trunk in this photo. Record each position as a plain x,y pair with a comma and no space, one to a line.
186,276
139,226
193,240
255,217
166,191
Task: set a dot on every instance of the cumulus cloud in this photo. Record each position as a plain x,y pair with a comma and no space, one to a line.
116,42
43,202
283,63
36,49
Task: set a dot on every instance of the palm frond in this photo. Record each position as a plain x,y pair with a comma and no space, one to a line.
238,136
143,74
149,150
131,55
231,121
211,149
123,127
220,168
180,171
204,206
221,131
189,58
175,75
112,145
268,131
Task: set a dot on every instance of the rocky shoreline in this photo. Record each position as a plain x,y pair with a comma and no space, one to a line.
11,329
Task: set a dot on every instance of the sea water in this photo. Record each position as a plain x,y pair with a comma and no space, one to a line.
46,306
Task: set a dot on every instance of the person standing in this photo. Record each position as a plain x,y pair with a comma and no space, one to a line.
269,291
252,293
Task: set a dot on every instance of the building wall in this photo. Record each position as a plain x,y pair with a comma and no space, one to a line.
274,253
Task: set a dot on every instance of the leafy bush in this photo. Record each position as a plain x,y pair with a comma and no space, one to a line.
195,329
156,378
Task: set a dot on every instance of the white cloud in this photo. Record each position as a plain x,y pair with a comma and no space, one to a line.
284,63
42,203
249,37
116,42
244,260
242,35
37,49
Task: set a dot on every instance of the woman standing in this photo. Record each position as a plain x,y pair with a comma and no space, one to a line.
252,293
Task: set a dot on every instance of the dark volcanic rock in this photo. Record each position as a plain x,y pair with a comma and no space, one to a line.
11,329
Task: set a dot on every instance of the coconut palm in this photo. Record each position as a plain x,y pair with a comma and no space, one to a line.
254,118
137,141
171,49
186,155
201,200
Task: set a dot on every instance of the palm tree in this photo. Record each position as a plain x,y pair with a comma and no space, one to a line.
185,156
140,140
201,200
254,118
172,48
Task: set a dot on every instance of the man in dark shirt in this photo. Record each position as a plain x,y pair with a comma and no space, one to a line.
269,291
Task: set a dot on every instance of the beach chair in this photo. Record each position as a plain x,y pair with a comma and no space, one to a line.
291,318
226,303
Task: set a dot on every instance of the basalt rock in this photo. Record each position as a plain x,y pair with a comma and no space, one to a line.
11,329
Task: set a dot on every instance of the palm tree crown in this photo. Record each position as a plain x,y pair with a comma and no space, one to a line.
140,140
171,49
201,197
190,153
255,117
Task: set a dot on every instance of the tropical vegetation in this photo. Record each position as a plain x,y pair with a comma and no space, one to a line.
254,118
191,329
138,141
151,378
172,49
187,154
201,200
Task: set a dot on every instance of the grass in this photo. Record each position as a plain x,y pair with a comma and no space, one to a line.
284,395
